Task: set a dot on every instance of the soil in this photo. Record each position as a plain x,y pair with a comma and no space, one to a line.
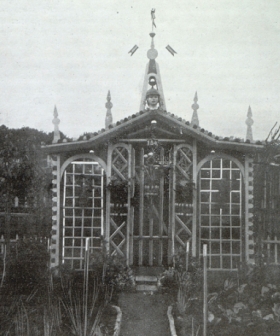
144,314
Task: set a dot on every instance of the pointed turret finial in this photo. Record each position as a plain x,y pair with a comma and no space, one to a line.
109,117
249,122
56,121
152,78
195,107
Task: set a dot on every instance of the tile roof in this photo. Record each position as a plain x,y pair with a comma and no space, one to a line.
172,117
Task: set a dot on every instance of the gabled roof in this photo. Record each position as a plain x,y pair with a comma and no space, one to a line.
168,125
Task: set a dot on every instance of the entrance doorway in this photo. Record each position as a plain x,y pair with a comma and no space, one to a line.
152,208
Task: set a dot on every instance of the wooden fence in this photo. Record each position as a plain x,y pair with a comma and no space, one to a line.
42,240
271,251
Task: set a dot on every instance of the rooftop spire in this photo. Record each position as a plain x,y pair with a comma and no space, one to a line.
109,117
56,121
249,122
152,74
195,107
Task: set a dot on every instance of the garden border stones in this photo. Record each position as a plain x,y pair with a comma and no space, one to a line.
117,327
171,321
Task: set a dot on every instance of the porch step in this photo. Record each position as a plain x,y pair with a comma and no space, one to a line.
148,288
146,278
148,270
146,283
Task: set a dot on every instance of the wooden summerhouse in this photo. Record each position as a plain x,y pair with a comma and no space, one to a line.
146,185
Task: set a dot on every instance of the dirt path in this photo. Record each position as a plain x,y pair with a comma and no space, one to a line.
144,314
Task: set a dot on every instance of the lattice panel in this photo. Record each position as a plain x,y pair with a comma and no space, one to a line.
183,224
221,212
82,211
120,175
120,158
183,195
184,163
118,231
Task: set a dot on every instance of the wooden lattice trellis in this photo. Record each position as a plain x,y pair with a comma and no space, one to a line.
183,194
119,207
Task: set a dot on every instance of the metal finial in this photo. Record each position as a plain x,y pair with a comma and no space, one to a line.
152,53
109,117
195,107
249,122
56,121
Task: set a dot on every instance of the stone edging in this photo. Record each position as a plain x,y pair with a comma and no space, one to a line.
171,321
117,327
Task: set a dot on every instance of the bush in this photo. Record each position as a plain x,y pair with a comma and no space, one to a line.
118,275
27,268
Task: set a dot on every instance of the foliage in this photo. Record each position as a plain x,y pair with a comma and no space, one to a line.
184,192
249,307
186,286
83,321
22,176
27,268
117,274
119,190
34,300
246,305
168,279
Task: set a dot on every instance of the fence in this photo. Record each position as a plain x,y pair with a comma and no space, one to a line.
13,242
271,251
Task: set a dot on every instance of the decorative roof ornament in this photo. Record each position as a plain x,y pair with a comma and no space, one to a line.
249,122
133,49
152,74
171,50
56,121
109,117
195,107
153,17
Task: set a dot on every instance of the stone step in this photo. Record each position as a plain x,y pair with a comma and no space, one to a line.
146,278
148,288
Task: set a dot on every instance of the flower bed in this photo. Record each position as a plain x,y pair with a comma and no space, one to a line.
61,301
246,305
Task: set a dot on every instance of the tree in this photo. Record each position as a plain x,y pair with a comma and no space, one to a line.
21,173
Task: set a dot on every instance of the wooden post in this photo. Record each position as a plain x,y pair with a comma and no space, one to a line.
268,250
85,289
131,236
151,229
187,255
108,200
161,205
128,218
195,196
172,206
141,207
205,312
132,187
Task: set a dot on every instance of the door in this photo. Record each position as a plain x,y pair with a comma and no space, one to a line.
151,206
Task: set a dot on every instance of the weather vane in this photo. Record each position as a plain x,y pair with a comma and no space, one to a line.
153,17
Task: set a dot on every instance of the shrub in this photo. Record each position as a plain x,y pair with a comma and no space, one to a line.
27,268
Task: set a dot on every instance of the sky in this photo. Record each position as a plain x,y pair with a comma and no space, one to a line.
69,53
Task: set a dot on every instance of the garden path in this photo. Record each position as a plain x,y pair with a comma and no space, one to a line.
144,314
